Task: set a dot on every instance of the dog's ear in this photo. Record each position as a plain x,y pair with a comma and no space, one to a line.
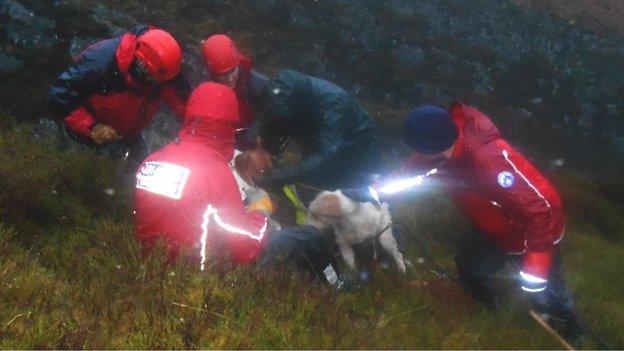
326,204
329,205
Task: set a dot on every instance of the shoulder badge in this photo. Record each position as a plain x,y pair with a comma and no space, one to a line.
506,179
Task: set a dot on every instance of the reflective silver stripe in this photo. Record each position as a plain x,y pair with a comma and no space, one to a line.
532,278
506,155
211,212
232,229
560,237
533,290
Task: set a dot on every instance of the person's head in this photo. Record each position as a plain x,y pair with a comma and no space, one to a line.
430,133
253,163
157,57
222,59
212,115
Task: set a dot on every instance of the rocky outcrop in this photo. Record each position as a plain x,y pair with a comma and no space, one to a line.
538,71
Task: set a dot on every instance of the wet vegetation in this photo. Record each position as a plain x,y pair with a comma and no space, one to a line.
73,276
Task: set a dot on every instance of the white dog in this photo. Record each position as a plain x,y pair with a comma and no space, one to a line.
354,222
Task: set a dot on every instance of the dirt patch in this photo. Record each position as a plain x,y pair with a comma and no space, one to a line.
601,16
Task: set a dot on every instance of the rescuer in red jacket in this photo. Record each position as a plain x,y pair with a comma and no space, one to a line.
515,211
186,193
228,66
114,89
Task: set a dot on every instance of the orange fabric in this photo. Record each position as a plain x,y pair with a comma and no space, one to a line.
264,205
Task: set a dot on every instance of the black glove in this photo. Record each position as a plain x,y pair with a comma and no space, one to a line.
269,179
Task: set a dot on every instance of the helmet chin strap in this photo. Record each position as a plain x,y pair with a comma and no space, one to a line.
138,79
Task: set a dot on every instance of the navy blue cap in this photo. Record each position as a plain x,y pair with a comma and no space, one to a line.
429,130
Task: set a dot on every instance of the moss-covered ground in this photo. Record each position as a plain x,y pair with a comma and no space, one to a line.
73,276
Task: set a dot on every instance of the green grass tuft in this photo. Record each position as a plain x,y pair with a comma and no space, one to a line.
73,276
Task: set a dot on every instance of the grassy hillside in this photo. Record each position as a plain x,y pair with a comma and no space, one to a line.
73,277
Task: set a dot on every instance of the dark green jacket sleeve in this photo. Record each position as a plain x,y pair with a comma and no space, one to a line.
329,138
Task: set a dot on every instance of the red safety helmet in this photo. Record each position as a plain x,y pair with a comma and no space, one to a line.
160,53
220,54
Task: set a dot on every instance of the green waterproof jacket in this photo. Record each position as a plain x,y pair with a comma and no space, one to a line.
336,135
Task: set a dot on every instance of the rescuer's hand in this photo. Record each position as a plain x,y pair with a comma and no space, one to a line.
103,133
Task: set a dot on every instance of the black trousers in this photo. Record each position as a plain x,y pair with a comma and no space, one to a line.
302,248
478,261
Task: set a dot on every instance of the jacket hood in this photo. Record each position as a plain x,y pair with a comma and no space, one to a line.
125,54
289,95
211,117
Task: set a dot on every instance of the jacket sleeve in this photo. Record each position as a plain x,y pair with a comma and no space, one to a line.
258,86
329,138
244,232
82,79
80,121
93,70
516,188
67,94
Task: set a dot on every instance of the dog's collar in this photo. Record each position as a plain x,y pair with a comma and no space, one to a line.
389,225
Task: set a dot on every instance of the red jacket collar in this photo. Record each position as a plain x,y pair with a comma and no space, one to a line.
456,110
474,129
125,56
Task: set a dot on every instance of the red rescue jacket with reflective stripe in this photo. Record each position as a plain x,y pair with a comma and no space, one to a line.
99,89
194,178
501,192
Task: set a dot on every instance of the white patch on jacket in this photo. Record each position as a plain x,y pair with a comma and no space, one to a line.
353,223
